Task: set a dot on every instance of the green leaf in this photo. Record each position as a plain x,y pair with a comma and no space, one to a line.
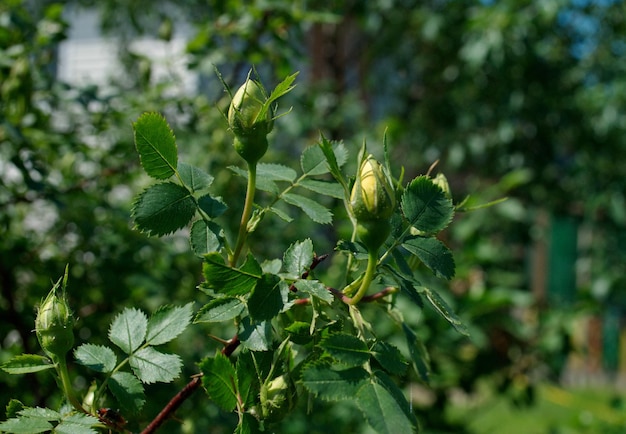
212,206
262,183
346,349
266,300
156,145
248,424
96,357
313,162
206,237
316,289
408,284
282,88
232,281
426,206
151,366
13,408
282,214
27,364
444,310
327,188
128,329
256,336
167,323
434,254
25,425
312,209
219,380
389,357
220,309
381,409
298,258
128,391
163,208
30,421
77,423
419,355
299,332
275,172
248,383
331,385
335,158
193,177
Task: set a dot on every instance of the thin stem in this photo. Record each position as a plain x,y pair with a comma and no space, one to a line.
245,215
66,383
370,272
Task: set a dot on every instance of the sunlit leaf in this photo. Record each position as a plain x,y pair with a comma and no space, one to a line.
128,329
167,323
96,357
27,364
194,178
220,309
298,258
150,365
156,145
426,206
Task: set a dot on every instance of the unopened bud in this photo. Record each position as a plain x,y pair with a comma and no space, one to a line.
278,398
373,196
250,120
54,323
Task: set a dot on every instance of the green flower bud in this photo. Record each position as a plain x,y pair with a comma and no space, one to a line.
250,120
442,182
54,323
278,398
373,196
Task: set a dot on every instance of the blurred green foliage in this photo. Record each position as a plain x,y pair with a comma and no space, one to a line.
529,93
